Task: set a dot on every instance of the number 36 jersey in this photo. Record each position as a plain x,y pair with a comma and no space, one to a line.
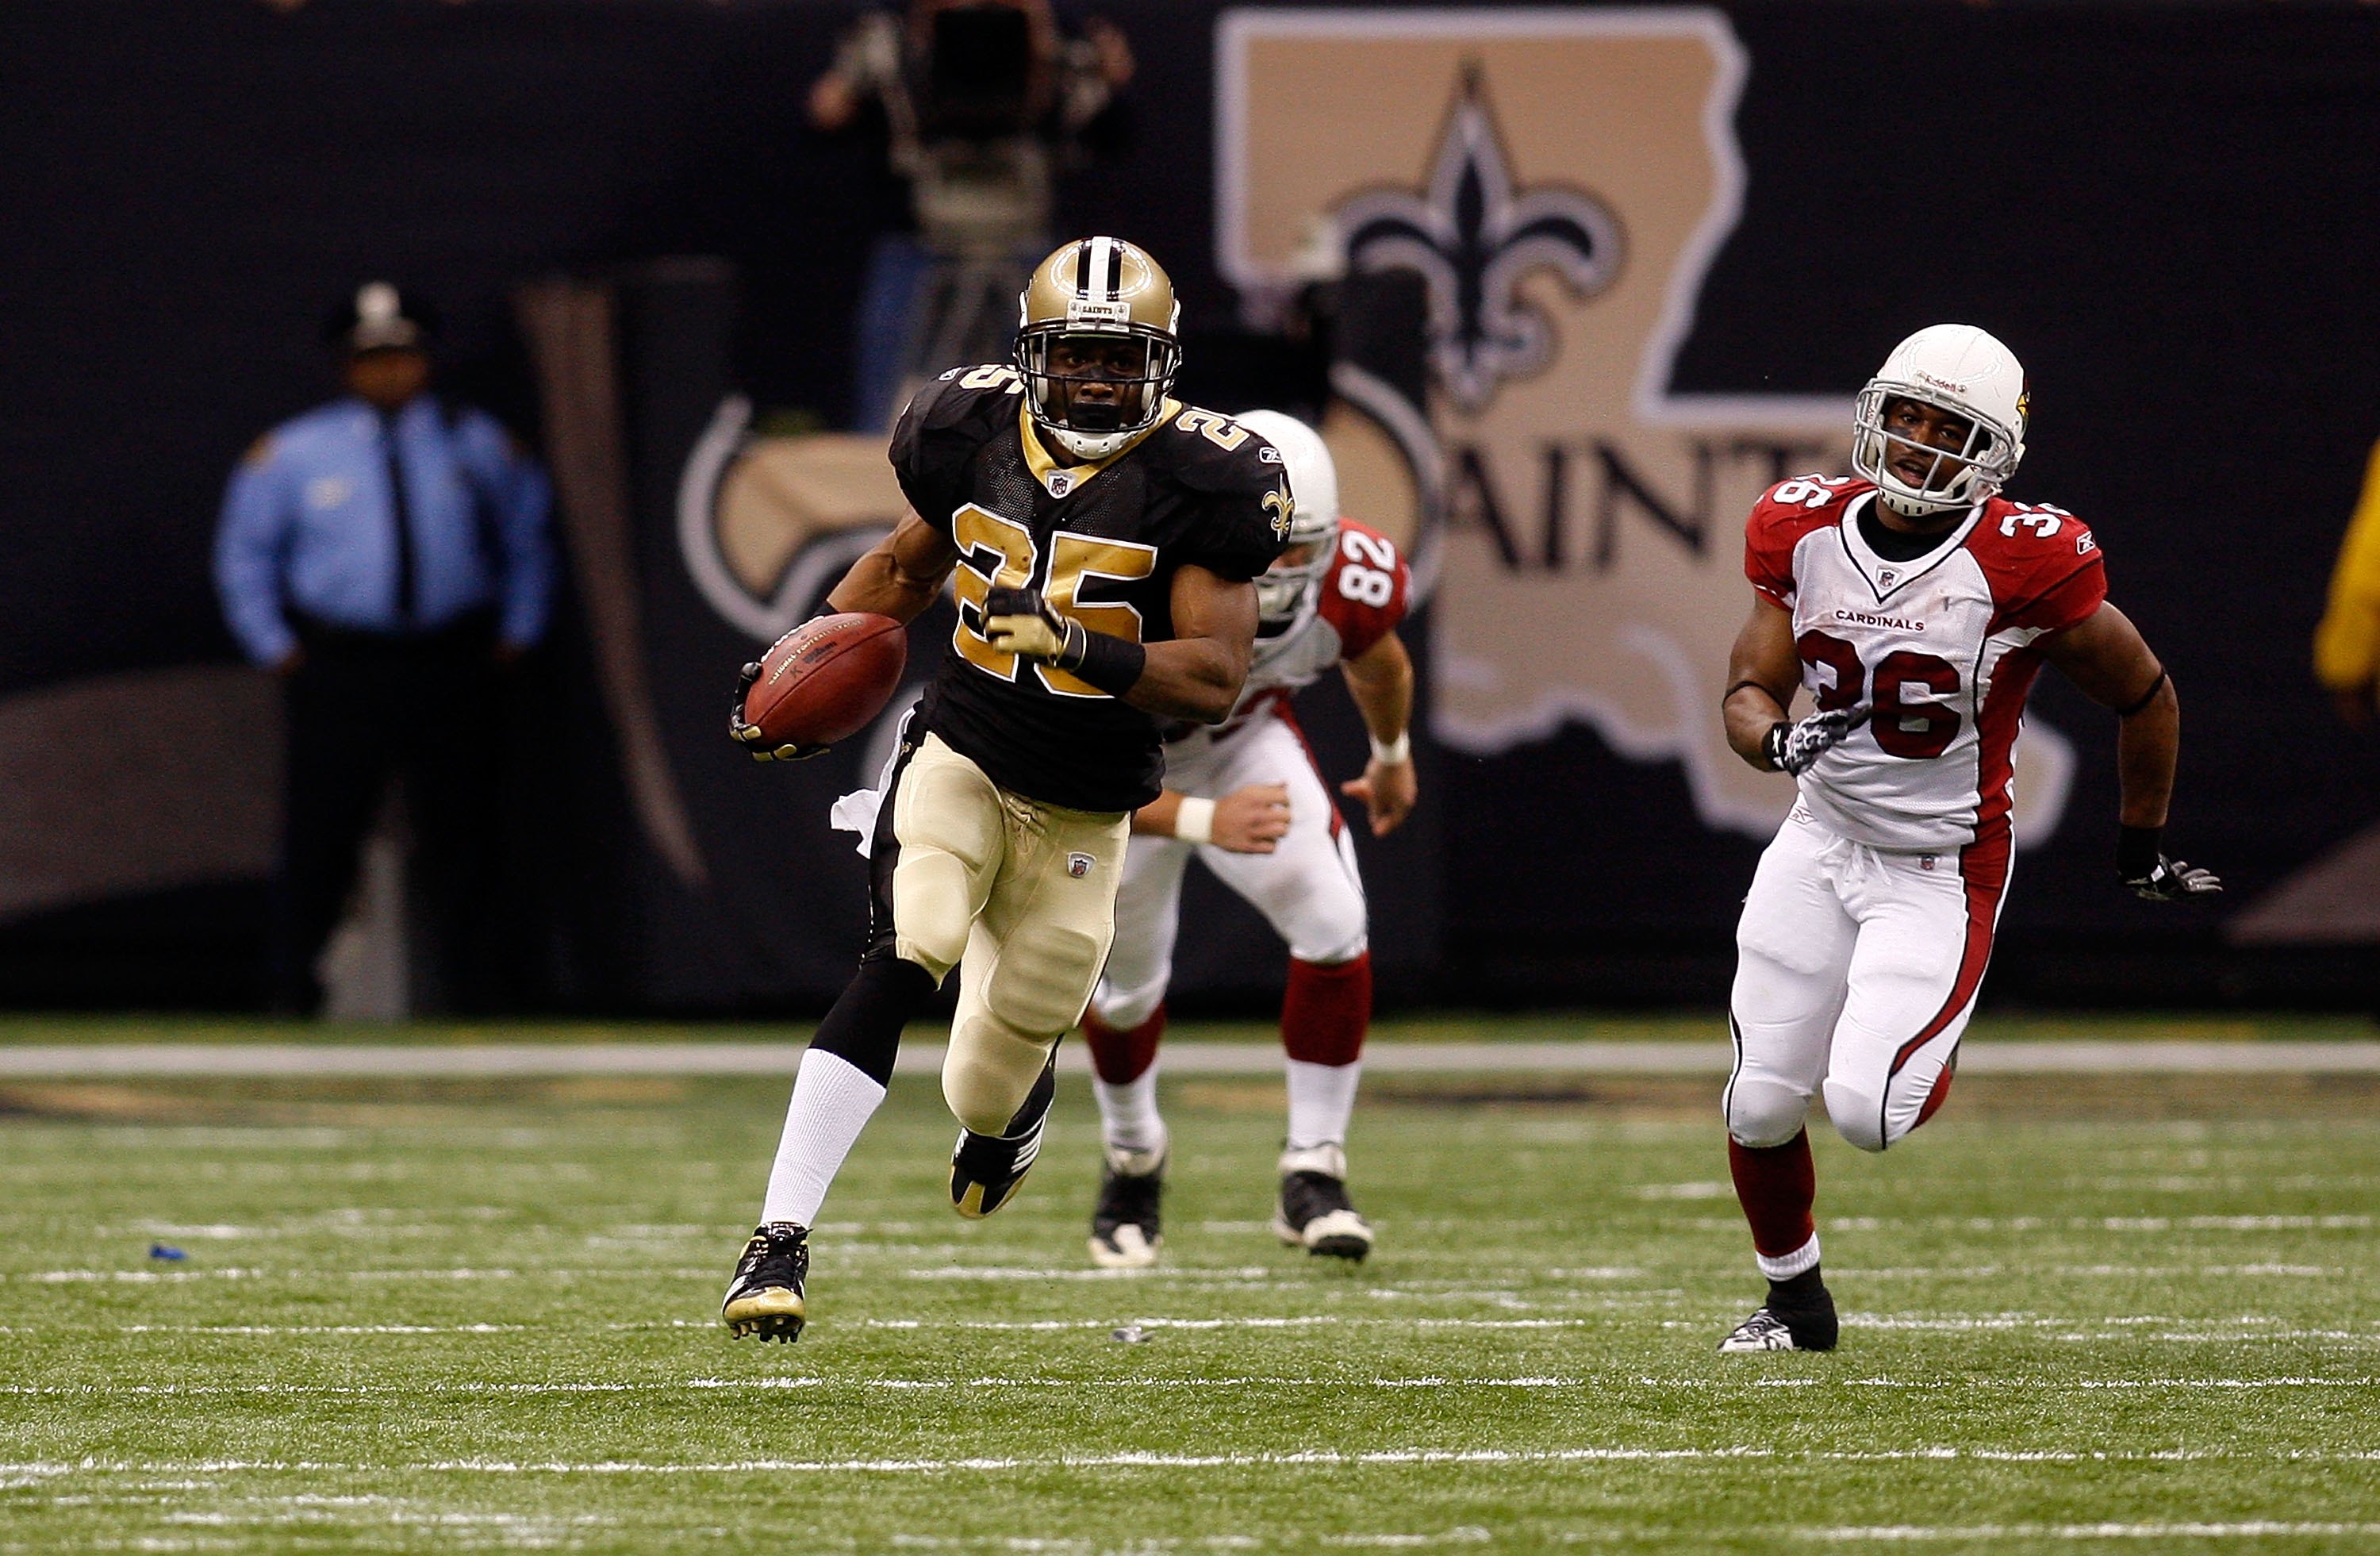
1101,540
1943,649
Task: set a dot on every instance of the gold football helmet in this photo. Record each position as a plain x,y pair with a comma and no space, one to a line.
1096,343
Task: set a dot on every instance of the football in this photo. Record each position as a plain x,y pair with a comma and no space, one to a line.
823,681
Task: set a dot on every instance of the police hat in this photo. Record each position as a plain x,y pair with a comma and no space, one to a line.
380,318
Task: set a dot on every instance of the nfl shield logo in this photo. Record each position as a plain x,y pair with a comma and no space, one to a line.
1887,577
1078,865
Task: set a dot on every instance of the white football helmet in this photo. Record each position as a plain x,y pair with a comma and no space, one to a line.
1959,369
1282,592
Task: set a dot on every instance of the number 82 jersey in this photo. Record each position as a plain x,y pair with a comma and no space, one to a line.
1942,648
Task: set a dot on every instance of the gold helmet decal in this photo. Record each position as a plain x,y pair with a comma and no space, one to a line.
1107,311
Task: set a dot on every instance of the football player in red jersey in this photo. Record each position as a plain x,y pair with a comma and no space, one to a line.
1916,605
1245,795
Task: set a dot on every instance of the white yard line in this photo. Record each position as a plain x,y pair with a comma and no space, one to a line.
1321,1458
934,1385
2253,1529
114,1061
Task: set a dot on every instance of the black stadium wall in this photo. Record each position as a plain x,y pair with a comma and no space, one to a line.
648,264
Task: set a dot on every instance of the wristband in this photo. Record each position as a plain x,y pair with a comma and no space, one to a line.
1194,822
1108,663
2138,850
1395,753
1772,744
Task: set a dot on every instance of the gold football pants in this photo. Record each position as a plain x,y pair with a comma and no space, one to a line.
1017,894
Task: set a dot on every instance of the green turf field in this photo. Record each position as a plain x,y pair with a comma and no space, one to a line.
2115,1314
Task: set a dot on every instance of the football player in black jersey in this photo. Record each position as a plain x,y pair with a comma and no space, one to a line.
1103,538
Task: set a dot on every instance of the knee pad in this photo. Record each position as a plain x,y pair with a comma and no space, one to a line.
933,908
1857,1113
1125,1008
1334,943
1042,980
989,1070
1761,1113
1330,929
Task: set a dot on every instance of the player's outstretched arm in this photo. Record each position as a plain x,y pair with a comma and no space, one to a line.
1380,679
2106,656
900,575
1251,819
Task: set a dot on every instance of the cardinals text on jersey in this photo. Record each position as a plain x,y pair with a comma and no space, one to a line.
1943,649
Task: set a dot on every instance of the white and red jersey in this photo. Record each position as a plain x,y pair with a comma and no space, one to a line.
1943,649
1359,600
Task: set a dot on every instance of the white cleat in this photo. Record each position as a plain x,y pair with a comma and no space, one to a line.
1125,1234
1314,1213
1762,1332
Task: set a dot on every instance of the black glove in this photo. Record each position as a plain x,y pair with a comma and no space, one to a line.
1018,621
2140,862
749,735
1795,747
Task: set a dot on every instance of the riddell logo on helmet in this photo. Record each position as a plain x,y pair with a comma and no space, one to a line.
1927,378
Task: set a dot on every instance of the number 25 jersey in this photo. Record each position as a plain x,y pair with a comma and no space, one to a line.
1101,540
1943,648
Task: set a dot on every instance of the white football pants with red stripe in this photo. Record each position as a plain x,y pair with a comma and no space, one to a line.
1307,887
1856,971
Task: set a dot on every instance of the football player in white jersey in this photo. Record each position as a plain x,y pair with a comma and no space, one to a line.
1916,605
1245,796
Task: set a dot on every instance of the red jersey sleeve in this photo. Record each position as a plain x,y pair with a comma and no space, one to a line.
2046,568
1785,512
1364,591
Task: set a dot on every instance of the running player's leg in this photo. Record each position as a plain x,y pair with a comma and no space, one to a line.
937,846
1926,925
1310,890
1123,1026
1032,960
1793,947
1126,1020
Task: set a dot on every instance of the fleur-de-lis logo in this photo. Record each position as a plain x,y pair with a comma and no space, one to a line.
1473,236
1277,509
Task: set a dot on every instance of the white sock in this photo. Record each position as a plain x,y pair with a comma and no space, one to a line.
1784,1268
1321,1099
1128,1116
832,1102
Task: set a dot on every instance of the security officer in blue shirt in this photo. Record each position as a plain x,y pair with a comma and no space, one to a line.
387,556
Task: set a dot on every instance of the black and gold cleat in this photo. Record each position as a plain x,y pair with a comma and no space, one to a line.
764,1297
986,1169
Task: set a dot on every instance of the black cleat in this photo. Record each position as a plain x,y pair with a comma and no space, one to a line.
1796,1317
764,1297
986,1169
1315,1214
1125,1232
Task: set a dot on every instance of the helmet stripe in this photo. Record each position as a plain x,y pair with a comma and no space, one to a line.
1115,267
1102,254
1083,268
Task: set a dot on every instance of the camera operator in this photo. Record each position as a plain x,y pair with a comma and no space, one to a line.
984,104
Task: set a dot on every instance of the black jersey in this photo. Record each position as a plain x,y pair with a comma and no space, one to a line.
1100,541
